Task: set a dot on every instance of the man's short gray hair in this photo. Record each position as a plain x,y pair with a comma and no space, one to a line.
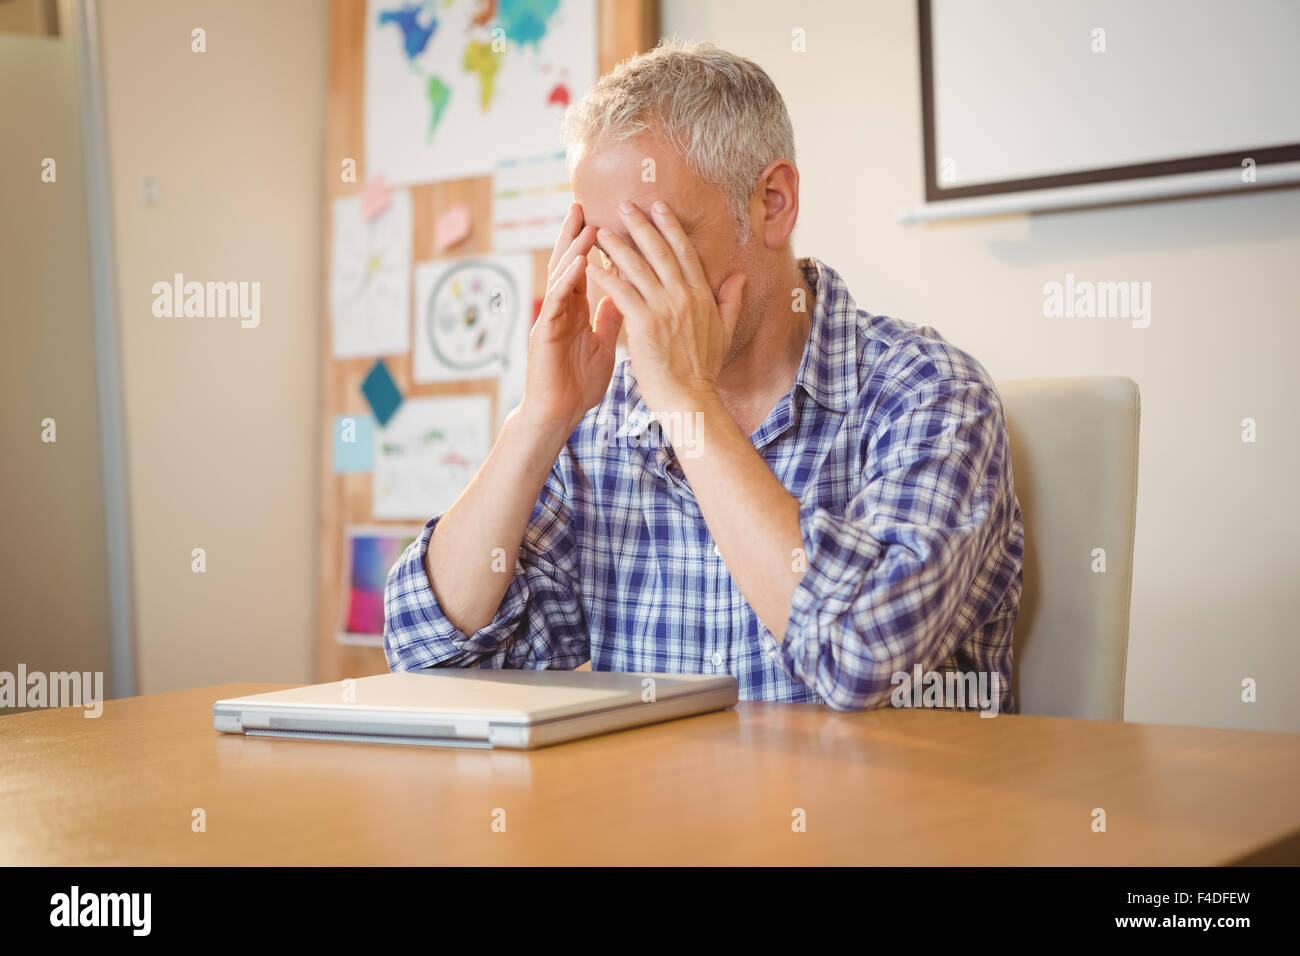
721,112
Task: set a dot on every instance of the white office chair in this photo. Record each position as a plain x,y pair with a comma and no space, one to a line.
1074,452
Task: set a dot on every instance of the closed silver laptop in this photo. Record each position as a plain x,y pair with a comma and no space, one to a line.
518,709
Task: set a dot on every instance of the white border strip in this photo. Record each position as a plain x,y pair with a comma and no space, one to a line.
1095,194
103,288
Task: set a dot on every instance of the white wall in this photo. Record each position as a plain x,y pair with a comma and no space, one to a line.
222,422
1216,562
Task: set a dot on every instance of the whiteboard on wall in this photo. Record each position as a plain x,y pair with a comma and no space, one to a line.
1110,99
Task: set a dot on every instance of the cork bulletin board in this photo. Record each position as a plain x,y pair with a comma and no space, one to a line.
623,28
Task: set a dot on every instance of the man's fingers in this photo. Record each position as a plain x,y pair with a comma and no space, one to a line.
571,282
625,295
688,260
580,246
631,265
608,321
651,244
568,230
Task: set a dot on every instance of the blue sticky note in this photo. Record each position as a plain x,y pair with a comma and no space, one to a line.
381,392
353,443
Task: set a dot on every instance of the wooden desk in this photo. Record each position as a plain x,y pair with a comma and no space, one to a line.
886,787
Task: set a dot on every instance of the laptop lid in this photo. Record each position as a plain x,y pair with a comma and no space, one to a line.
459,706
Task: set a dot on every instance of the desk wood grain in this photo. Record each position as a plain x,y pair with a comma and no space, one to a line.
885,787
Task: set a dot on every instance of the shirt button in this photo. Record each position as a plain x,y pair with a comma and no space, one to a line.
717,659
716,551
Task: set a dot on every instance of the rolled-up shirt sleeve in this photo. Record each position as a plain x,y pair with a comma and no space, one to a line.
539,623
886,581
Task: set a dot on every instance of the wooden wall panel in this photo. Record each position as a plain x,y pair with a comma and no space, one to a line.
624,27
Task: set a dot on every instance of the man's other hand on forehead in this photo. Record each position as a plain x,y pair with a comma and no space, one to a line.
603,260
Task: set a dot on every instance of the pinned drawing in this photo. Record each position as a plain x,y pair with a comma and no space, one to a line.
427,454
472,317
370,269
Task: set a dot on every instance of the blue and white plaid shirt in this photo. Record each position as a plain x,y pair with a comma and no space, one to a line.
895,444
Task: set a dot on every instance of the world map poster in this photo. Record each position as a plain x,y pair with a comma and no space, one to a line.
453,87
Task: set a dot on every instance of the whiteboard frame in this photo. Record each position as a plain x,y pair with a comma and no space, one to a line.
1190,175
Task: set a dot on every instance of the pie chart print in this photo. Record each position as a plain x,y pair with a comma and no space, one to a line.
469,317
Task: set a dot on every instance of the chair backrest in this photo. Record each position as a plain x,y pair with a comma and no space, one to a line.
1074,453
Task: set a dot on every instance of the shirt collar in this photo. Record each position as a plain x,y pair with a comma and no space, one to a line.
828,371
640,416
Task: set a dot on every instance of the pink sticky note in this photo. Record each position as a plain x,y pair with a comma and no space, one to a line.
451,227
374,198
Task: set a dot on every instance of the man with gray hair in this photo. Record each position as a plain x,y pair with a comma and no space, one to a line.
775,484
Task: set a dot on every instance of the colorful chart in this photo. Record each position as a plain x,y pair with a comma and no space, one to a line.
370,553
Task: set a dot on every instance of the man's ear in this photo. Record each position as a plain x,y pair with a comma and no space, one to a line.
776,196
